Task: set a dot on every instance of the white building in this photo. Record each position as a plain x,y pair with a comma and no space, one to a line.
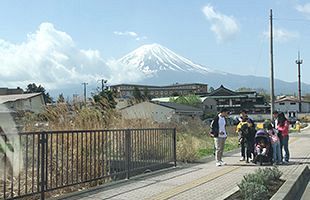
291,104
161,112
33,102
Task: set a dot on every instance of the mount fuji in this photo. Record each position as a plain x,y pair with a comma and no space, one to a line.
162,66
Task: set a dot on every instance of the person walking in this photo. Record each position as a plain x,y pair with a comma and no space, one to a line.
283,128
219,133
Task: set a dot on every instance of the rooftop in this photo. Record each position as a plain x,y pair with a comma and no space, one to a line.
15,97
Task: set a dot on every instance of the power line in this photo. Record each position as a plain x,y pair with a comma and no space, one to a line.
292,19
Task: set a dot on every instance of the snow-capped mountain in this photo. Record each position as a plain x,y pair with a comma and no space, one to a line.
162,66
153,58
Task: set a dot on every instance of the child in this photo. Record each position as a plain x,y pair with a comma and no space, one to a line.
275,142
261,147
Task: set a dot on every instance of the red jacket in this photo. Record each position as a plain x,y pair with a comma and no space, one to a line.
284,128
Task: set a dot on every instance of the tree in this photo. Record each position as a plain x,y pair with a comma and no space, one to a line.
105,97
211,89
263,93
191,100
137,94
61,98
33,88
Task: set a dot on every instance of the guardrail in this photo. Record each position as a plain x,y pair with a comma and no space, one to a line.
50,161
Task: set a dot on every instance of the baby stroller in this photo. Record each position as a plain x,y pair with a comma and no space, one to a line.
262,148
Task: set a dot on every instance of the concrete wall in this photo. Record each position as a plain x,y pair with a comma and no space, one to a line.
147,110
34,104
290,106
209,105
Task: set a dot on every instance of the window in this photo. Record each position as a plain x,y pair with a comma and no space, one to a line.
282,104
293,103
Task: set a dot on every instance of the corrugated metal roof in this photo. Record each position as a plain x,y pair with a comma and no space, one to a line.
15,97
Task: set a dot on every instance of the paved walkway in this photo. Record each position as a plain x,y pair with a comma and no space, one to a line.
197,181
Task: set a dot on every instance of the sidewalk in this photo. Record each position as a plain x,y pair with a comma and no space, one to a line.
196,181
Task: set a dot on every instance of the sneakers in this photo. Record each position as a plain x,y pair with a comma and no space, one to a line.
222,162
218,164
242,159
285,162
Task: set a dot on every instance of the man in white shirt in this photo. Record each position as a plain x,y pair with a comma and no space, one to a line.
218,131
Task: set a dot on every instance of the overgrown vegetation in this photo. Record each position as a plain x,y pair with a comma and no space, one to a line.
191,100
194,142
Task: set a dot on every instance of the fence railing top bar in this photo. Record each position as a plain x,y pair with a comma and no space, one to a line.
90,131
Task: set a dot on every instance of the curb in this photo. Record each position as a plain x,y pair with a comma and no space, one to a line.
295,185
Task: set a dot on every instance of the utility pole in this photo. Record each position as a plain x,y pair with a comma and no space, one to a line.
271,67
85,84
299,62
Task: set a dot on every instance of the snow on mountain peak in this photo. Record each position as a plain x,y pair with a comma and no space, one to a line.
153,58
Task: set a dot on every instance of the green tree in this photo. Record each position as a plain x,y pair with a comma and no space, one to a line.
263,93
137,94
61,98
191,100
33,88
106,98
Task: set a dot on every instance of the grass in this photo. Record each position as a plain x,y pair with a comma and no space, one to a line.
207,143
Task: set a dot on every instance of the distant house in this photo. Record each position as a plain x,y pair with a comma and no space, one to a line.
291,104
127,90
237,101
161,112
8,91
33,102
209,105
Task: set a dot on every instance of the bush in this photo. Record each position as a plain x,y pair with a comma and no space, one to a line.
254,186
269,174
253,191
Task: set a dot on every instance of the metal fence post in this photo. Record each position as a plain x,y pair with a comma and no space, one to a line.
175,147
128,152
43,182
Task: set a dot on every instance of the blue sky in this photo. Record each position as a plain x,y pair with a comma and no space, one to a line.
36,36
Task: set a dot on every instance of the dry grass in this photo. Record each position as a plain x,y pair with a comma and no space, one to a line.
193,140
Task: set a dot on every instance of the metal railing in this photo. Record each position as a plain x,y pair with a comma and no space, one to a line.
67,160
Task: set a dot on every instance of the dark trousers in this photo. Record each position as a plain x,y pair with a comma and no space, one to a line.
246,149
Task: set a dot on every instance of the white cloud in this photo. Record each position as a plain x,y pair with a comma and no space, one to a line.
282,35
130,34
126,33
224,27
305,9
121,72
51,58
